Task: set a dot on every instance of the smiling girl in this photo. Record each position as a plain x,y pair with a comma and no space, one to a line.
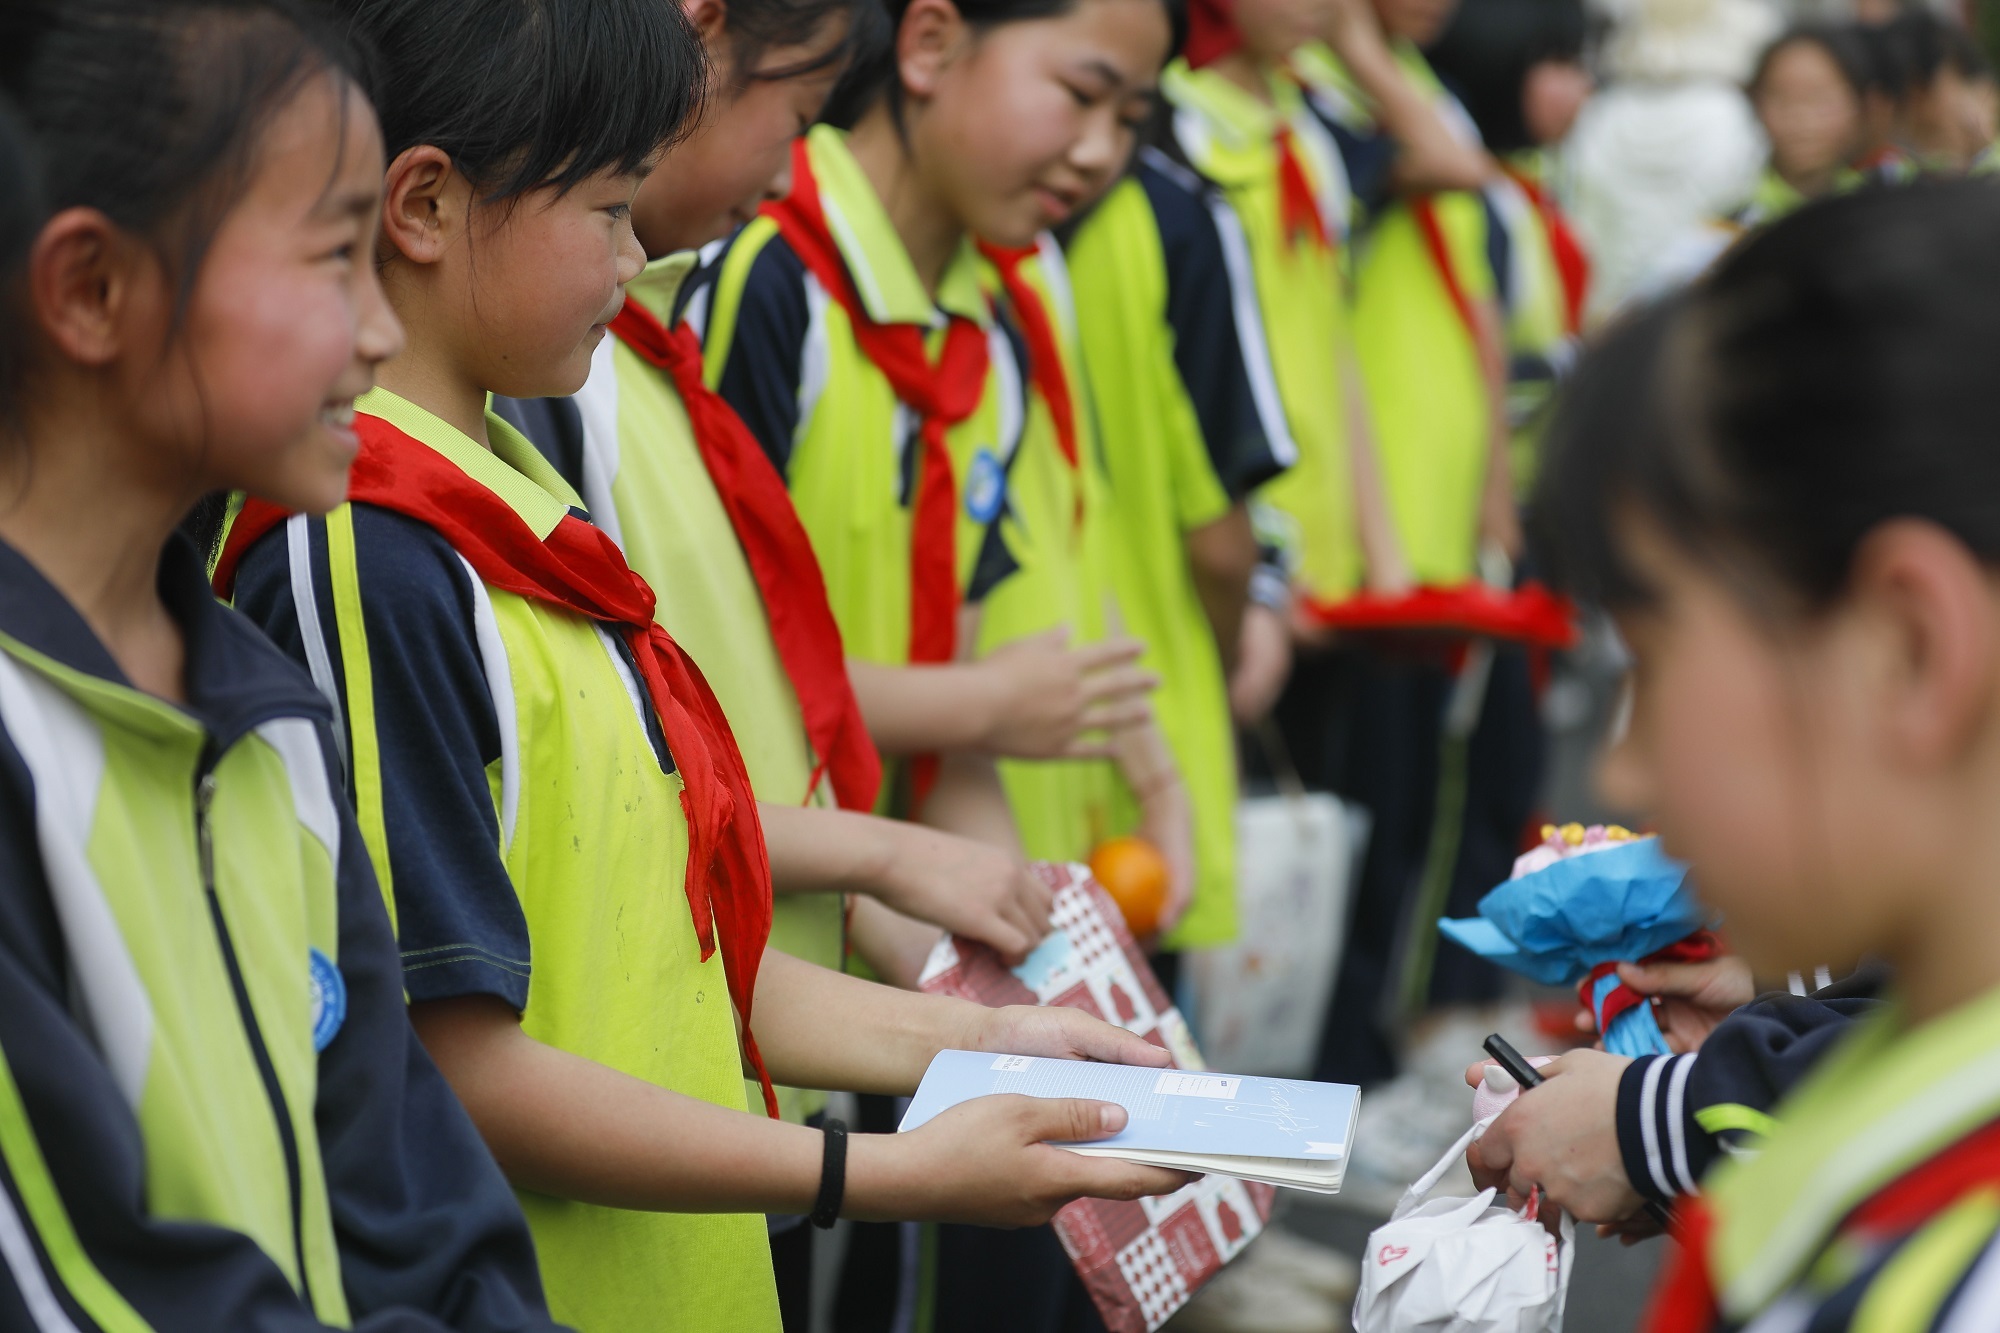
922,400
562,817
895,334
213,1112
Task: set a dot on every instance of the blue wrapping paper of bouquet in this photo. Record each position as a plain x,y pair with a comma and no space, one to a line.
1618,904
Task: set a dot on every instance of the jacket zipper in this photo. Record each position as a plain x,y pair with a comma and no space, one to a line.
204,801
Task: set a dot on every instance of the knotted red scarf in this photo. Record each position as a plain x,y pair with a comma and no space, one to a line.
1212,32
579,568
942,395
1045,363
1298,206
780,556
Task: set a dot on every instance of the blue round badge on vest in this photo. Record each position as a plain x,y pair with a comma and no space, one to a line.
329,1000
985,486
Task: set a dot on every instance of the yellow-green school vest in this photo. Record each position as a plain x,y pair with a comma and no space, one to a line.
595,842
1426,392
644,482
846,464
1162,486
1228,136
1889,1099
846,467
179,873
1056,526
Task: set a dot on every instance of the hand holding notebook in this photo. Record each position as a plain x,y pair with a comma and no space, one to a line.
1277,1131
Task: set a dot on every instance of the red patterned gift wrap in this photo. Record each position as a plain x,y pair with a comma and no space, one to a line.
1141,1261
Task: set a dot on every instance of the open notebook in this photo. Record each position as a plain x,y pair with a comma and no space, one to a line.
1277,1131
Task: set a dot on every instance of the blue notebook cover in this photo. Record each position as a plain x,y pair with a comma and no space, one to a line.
1172,1110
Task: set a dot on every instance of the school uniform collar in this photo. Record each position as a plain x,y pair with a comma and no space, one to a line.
514,469
233,676
1884,1102
884,276
1227,131
658,286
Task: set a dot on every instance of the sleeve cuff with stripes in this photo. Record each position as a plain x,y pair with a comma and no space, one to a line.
1665,1151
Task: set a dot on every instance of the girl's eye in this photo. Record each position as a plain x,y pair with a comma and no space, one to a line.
343,254
1083,99
620,211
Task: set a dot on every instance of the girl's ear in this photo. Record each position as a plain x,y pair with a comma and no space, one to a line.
425,204
710,18
1936,608
84,275
929,38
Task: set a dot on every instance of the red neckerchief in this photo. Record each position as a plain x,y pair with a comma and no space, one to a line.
1572,260
942,395
1212,32
1045,363
1423,208
1684,1300
1298,206
579,568
780,557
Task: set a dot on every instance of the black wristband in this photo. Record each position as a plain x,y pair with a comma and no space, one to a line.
832,1176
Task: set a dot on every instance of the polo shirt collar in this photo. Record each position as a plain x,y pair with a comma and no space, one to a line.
233,677
884,276
1238,119
658,286
514,469
1888,1099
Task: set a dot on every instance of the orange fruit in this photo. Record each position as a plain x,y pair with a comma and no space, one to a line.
1134,873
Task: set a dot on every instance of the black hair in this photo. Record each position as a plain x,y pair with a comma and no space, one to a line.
1888,63
753,27
20,216
1831,375
151,111
526,94
872,75
1924,45
1488,50
1842,45
20,192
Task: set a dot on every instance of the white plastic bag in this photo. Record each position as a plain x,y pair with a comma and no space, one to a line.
1462,1265
1260,1003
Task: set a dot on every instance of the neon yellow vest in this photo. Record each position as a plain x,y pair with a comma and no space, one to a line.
1301,286
1162,486
594,840
645,482
1426,391
1056,526
115,771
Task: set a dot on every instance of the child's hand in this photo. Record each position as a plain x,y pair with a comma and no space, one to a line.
1063,1034
1694,997
1562,1136
967,887
988,1162
1048,695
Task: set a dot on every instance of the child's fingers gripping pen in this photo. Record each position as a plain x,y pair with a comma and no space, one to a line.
1528,1076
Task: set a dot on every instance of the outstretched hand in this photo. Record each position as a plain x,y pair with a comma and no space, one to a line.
1063,1034
990,1162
